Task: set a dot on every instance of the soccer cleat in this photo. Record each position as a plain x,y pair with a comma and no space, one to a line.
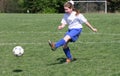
52,45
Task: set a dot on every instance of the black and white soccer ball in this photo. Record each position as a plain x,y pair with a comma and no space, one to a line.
18,51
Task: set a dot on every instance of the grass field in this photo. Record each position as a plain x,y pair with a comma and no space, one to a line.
97,54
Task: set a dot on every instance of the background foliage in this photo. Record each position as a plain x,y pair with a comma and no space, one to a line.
44,6
34,6
113,5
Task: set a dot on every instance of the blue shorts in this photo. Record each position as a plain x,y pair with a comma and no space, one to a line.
74,34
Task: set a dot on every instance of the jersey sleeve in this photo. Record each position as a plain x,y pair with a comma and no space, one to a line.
82,19
63,21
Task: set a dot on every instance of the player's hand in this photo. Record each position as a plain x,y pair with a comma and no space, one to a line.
94,30
60,27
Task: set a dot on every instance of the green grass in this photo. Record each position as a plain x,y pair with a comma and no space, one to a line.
97,54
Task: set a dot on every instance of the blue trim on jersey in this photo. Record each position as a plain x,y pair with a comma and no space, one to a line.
74,34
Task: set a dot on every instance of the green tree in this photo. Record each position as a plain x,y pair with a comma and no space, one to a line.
44,6
9,6
113,5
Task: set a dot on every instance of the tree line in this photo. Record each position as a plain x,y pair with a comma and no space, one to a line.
44,6
32,6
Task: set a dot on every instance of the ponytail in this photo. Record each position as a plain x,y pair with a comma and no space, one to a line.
77,11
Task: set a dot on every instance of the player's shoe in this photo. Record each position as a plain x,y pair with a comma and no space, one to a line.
68,60
52,45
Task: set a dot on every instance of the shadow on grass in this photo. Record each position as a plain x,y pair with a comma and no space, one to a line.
61,61
17,70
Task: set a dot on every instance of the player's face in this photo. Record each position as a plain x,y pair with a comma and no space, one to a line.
68,10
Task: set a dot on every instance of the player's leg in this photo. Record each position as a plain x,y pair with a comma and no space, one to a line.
62,41
70,35
67,52
59,43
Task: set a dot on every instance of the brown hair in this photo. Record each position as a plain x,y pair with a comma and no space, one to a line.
69,5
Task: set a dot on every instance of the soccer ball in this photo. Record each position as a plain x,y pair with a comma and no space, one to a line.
18,51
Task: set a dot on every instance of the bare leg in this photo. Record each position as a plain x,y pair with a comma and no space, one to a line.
62,42
67,38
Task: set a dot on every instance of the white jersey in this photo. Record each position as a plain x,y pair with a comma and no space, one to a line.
73,21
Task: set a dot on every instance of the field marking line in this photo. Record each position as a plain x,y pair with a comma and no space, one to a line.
48,32
78,42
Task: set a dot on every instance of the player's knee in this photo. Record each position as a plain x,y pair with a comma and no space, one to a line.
67,38
64,46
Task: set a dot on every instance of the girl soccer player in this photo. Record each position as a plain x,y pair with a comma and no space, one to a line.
74,19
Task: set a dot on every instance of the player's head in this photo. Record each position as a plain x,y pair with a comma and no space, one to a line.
68,7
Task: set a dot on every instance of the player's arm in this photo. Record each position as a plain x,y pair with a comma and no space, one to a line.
90,26
61,26
84,20
63,23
